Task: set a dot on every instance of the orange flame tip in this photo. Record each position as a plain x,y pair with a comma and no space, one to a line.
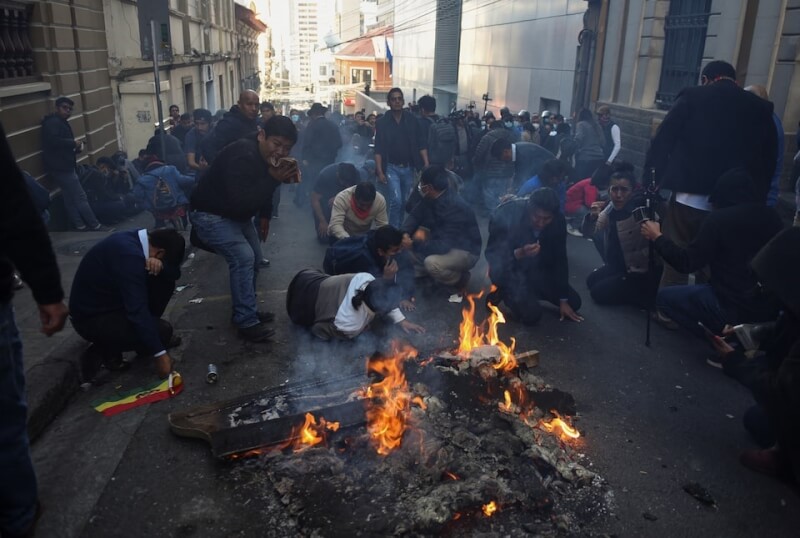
489,509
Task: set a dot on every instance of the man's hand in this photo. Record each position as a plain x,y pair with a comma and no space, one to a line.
263,229
596,208
381,177
409,327
407,305
527,251
567,312
153,266
78,144
322,229
722,347
163,366
651,230
285,173
507,197
390,269
407,243
53,316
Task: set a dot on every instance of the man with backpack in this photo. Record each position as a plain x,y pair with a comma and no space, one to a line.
162,189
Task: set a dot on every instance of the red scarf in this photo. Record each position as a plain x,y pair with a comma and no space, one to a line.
360,213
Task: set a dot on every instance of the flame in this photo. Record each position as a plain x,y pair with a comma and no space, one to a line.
451,476
472,335
489,509
507,405
420,402
311,433
567,431
389,399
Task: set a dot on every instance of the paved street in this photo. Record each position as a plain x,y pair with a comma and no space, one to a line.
652,419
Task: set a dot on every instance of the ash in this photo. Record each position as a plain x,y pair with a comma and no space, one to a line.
458,454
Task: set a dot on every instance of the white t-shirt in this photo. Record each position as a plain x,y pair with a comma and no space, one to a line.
352,321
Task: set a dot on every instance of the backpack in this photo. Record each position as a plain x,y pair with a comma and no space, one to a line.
441,142
163,197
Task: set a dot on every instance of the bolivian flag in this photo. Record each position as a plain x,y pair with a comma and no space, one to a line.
155,392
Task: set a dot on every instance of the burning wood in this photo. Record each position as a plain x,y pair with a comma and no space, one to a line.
567,431
473,336
489,509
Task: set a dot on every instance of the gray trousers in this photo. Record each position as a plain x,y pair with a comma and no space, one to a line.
75,202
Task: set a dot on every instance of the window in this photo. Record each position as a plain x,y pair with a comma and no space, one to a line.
16,54
361,76
684,41
323,70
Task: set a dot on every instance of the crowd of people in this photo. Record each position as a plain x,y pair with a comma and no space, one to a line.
397,196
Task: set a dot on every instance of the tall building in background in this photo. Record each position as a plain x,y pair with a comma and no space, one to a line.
348,20
369,15
385,12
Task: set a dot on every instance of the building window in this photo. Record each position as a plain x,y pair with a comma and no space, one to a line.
323,70
16,53
361,76
684,41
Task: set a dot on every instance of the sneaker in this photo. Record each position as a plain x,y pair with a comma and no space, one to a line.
573,231
256,333
101,228
18,283
266,317
264,262
714,361
664,321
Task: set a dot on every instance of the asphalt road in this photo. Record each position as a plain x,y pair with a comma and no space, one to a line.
652,419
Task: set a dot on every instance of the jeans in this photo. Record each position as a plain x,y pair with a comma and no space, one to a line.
611,287
75,202
681,225
400,179
18,491
238,243
686,305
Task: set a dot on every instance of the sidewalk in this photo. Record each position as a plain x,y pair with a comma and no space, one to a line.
51,364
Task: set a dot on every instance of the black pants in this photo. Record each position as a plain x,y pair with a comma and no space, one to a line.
113,333
523,293
608,286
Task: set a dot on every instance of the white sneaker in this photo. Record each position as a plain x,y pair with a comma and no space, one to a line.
573,231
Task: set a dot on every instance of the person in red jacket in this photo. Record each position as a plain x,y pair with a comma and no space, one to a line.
588,193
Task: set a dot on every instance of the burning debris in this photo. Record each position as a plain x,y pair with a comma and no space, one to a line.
469,440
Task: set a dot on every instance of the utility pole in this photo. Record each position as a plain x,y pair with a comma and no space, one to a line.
486,100
157,84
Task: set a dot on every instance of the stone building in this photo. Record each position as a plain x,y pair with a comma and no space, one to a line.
249,29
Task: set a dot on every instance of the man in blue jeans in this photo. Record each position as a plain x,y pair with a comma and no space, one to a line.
239,185
59,148
24,243
400,146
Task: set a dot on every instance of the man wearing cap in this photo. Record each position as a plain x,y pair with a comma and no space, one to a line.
59,147
321,142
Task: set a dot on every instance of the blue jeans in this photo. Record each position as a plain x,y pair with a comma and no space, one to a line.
238,243
75,202
686,305
400,180
17,480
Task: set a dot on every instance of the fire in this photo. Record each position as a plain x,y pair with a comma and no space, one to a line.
451,476
472,335
489,509
389,399
420,402
507,405
311,433
567,431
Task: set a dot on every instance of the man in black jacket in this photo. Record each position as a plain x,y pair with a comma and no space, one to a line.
240,121
321,143
444,230
59,148
734,231
527,255
24,244
709,130
238,185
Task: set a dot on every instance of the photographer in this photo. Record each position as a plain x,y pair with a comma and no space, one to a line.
624,277
738,226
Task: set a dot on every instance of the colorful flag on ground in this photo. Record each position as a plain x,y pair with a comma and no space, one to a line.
155,392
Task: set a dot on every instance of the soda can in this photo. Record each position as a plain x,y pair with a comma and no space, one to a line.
211,376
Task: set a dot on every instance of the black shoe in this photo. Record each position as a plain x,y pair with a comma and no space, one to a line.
257,333
264,262
266,317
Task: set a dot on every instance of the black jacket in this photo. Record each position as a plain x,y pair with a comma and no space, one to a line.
58,145
233,126
530,158
322,142
509,229
237,185
451,222
710,130
23,237
727,241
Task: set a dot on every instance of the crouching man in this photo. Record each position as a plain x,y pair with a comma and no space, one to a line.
527,255
120,291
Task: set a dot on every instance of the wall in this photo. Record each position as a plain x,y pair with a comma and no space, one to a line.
520,51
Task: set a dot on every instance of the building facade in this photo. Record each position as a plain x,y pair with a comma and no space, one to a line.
363,62
249,30
198,61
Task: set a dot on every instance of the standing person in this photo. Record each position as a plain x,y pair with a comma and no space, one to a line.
527,255
267,111
398,149
183,127
238,185
240,121
611,134
59,147
774,189
589,138
700,139
321,143
174,115
24,244
194,138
